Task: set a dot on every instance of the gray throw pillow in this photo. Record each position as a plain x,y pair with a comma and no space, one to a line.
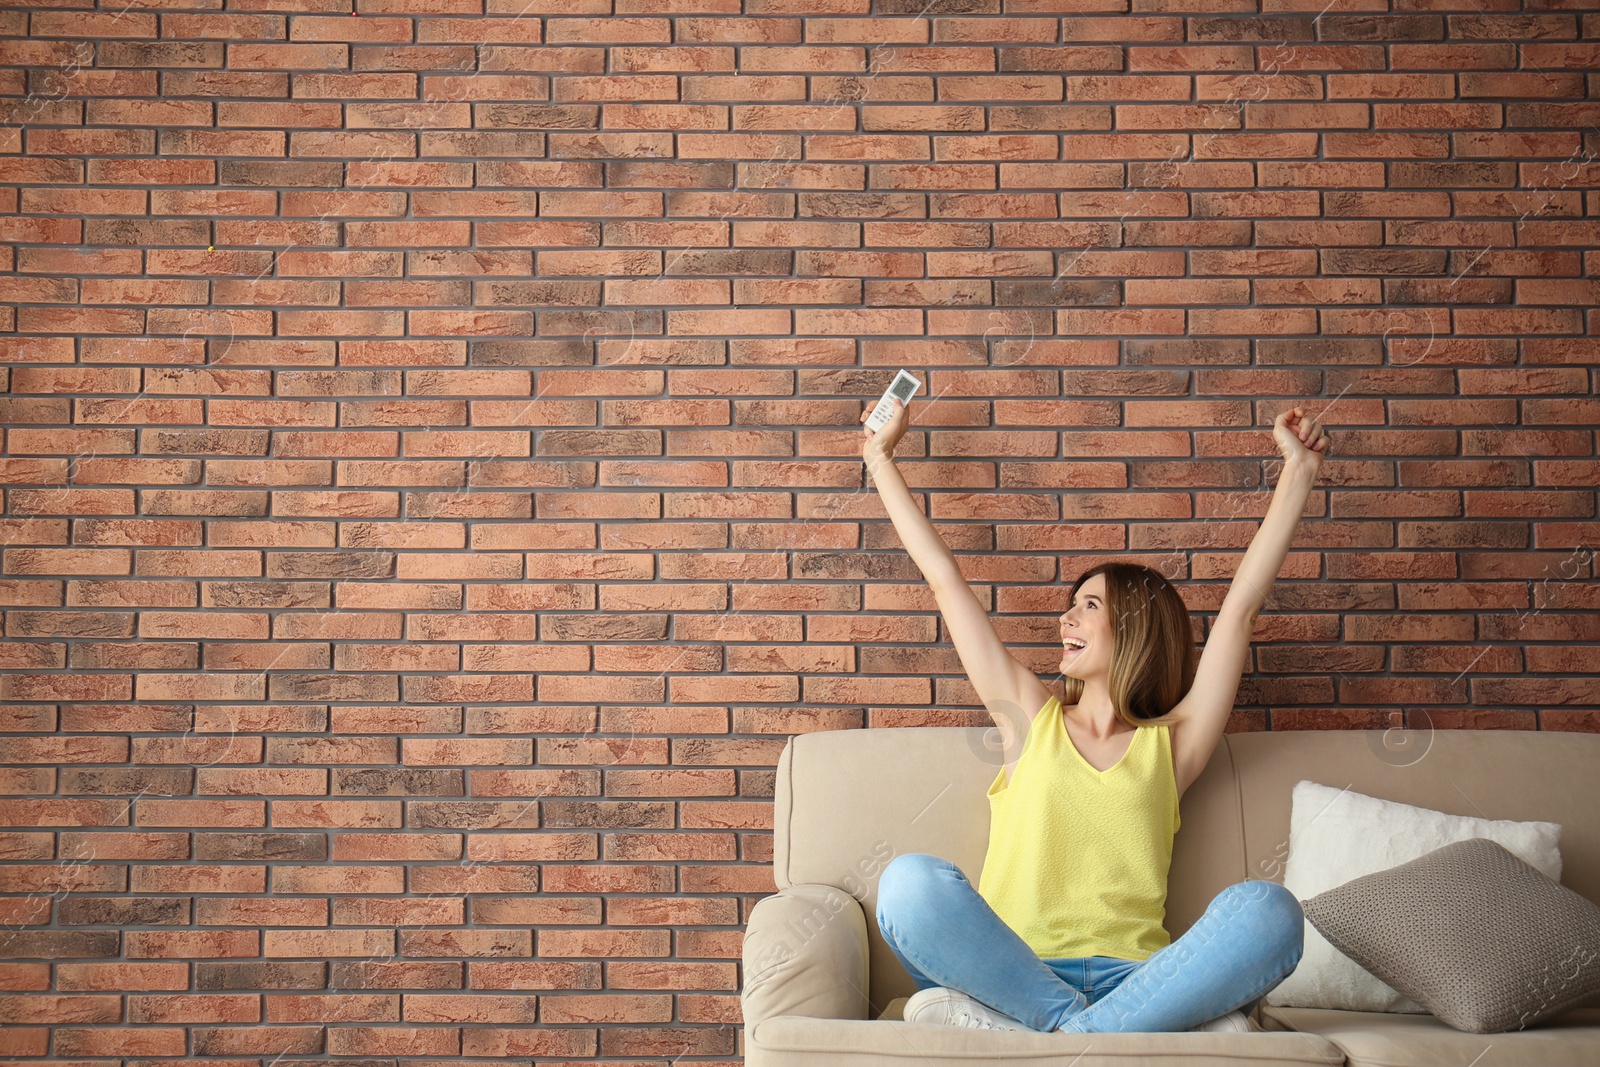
1481,939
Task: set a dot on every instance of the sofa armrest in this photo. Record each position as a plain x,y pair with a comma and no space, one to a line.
805,953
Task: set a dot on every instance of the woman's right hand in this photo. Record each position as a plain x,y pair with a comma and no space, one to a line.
880,443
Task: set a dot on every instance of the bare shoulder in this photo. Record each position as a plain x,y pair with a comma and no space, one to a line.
1031,698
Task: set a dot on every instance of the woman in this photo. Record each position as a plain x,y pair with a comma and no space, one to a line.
1064,931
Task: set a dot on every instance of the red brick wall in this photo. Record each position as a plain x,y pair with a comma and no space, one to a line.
432,474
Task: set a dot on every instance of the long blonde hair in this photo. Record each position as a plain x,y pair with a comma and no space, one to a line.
1152,648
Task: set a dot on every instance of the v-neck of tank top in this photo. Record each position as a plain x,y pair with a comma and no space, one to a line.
1085,760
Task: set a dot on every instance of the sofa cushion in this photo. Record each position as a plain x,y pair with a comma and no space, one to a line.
1484,941
1336,835
793,1041
1393,1039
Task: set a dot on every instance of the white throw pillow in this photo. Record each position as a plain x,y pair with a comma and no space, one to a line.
1336,835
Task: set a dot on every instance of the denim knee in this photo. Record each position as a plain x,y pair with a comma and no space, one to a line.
904,883
1292,917
1276,913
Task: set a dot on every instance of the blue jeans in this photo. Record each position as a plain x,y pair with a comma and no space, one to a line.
944,934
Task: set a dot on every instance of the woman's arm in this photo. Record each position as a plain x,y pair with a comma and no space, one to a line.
926,548
1007,688
1204,711
1303,447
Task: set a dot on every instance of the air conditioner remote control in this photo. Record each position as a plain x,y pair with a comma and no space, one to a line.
905,387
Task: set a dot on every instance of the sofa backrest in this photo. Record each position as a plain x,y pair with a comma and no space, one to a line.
846,802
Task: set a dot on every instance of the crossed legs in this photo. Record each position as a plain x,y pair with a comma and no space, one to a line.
1248,940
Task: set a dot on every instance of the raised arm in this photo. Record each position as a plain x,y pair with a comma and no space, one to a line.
1003,683
1204,710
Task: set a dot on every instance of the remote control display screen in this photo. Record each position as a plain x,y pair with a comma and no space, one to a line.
904,388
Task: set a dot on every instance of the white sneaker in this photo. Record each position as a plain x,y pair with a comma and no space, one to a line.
940,1005
1235,1022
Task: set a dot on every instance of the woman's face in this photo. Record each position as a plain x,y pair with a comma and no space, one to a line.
1087,622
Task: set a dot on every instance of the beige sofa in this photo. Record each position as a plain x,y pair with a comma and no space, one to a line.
822,988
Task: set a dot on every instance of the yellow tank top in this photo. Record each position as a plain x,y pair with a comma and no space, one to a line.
1078,858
